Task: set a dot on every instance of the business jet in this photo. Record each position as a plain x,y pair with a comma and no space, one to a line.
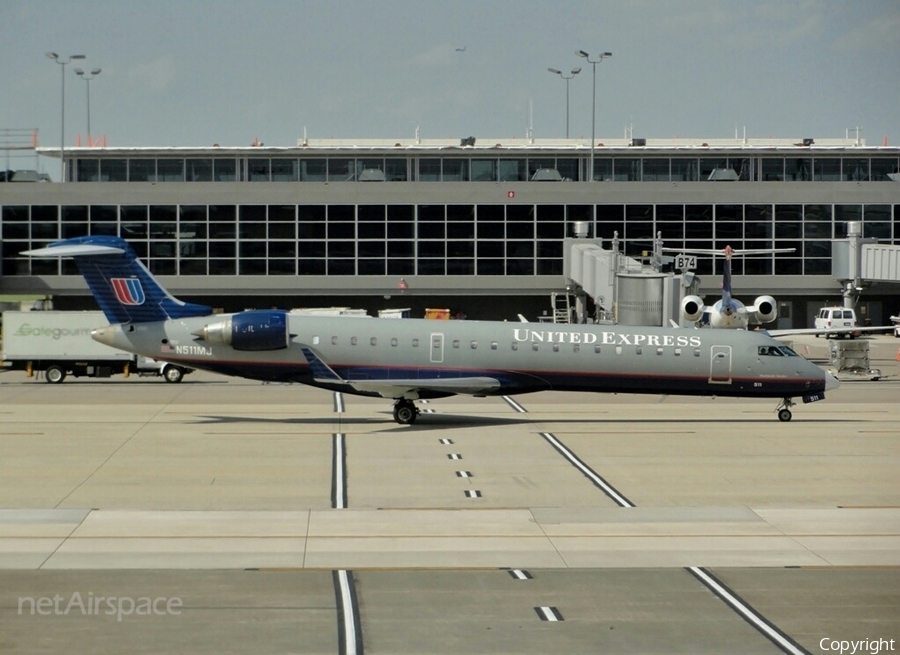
730,313
414,359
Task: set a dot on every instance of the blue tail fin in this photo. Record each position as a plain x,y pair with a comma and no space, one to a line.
125,290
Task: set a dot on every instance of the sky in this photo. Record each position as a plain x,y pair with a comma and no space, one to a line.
200,72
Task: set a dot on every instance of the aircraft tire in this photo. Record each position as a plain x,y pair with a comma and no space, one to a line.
405,413
55,374
173,374
784,415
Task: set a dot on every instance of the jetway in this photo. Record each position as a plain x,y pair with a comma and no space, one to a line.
858,262
623,290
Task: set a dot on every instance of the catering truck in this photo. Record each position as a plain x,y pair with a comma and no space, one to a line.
58,344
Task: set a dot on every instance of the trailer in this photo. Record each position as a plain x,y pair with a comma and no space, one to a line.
58,344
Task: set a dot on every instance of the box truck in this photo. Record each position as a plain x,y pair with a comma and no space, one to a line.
59,344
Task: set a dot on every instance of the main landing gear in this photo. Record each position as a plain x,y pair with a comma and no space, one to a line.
784,410
405,412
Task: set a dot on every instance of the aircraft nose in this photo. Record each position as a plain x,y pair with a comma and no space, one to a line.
831,382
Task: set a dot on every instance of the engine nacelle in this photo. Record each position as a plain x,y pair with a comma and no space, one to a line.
692,308
249,331
765,309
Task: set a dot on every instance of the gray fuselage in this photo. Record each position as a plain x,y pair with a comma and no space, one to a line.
521,357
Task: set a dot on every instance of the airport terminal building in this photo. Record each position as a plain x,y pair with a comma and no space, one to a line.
476,225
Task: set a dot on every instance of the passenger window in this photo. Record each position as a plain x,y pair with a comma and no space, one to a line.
493,345
315,341
456,343
474,345
576,348
618,350
639,350
597,349
373,341
394,341
678,352
415,343
696,352
659,351
556,347
515,346
334,341
352,341
534,347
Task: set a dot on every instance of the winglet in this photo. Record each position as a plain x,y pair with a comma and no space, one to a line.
125,290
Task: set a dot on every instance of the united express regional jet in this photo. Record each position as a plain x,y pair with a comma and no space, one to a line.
410,359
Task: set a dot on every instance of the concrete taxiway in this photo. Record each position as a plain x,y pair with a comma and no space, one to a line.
286,519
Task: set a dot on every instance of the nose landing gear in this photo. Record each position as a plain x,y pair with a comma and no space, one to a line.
405,412
784,410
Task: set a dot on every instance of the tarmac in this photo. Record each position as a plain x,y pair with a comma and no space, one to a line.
224,515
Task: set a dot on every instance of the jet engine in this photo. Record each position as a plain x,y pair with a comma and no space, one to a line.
692,308
250,331
765,309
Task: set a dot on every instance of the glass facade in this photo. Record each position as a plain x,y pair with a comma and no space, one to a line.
430,239
429,167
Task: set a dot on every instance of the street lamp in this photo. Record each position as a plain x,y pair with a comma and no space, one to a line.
62,130
593,62
87,79
575,72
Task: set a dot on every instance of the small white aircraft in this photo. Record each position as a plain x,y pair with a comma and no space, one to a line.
731,313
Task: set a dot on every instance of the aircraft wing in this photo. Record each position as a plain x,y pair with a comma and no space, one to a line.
844,330
401,388
404,388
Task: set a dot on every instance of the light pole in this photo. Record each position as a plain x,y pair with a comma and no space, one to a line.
593,62
62,129
87,79
575,72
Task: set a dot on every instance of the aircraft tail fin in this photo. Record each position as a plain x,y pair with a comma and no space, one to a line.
726,279
124,288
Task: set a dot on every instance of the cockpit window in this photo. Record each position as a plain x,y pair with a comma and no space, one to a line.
776,351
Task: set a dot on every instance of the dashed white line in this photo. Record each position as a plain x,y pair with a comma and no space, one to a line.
549,614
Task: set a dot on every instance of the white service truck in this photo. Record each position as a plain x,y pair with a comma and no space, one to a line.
59,343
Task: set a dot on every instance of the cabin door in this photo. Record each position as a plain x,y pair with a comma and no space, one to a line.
720,365
437,348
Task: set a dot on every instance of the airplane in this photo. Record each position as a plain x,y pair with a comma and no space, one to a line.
731,313
413,359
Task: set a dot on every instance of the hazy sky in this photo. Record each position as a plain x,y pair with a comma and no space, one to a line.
202,71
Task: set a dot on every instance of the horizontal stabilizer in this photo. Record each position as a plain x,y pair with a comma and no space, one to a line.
79,250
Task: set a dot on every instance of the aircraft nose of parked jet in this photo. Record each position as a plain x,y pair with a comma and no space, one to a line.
831,382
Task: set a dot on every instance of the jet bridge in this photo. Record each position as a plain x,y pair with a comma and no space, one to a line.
858,262
624,290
